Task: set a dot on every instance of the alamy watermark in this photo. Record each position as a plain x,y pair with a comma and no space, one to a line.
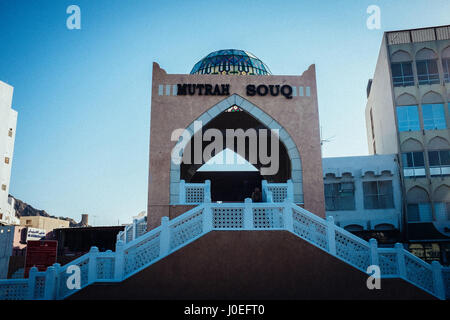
374,20
74,20
374,280
259,143
74,280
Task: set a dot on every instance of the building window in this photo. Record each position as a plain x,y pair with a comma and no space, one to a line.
340,196
413,164
428,252
402,74
439,162
427,71
10,132
1,217
442,211
408,118
28,222
378,195
433,116
6,160
420,212
446,67
4,187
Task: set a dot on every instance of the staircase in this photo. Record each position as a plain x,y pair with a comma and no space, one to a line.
139,251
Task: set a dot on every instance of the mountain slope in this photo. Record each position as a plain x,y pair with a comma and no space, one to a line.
23,209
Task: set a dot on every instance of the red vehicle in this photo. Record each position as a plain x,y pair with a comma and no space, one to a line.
40,254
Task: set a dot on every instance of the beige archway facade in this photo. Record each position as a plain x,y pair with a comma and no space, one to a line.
295,116
265,119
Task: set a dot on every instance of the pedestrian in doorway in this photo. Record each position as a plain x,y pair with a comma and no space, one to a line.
257,195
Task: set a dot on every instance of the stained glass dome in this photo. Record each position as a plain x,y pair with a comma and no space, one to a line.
231,62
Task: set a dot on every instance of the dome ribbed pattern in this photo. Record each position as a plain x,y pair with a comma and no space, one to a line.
231,61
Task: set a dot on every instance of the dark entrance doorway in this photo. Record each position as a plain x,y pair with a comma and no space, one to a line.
234,185
230,186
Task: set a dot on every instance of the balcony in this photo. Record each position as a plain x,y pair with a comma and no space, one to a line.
440,171
414,172
403,81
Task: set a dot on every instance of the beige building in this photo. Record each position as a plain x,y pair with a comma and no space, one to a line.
232,90
43,223
407,113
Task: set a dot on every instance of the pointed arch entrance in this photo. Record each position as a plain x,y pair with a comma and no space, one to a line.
253,117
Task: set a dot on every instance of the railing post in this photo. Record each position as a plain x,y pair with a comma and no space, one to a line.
207,211
331,237
164,237
264,190
32,282
288,217
207,198
290,191
119,262
269,197
50,283
57,268
248,214
92,268
207,218
374,259
182,192
401,260
438,281
134,229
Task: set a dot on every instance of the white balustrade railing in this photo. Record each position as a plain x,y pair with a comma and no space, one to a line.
133,230
278,192
195,193
133,256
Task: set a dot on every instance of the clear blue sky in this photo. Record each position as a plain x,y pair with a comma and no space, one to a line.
83,96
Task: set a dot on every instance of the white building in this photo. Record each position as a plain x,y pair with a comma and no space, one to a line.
363,194
8,121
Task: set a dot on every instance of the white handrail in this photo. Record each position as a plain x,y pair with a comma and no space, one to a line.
194,193
144,250
134,230
277,192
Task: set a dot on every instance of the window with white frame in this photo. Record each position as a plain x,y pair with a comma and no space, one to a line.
420,212
446,64
378,194
442,211
433,116
446,67
408,118
413,164
340,196
427,71
402,74
439,161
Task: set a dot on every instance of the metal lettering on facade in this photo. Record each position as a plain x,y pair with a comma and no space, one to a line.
224,90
